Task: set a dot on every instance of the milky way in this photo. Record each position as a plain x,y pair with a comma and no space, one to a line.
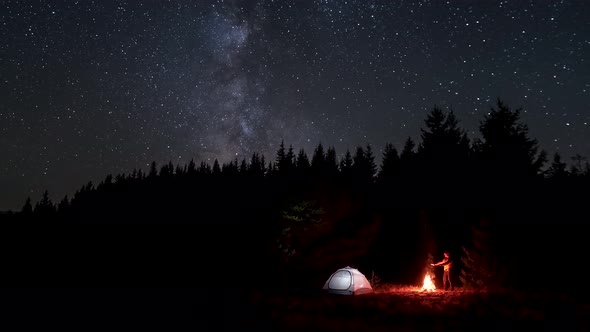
89,88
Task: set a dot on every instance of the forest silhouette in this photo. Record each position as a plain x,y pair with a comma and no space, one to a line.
512,217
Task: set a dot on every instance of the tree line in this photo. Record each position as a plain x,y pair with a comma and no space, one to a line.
494,202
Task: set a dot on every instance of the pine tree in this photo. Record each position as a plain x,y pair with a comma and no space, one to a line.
167,170
346,165
331,162
45,206
444,150
257,166
318,160
302,162
191,169
291,159
371,167
27,207
282,161
64,205
263,170
216,168
558,168
389,163
506,150
180,171
364,168
153,170
204,168
120,179
271,169
243,166
407,160
230,169
408,150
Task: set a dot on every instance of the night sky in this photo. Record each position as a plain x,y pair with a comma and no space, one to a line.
89,88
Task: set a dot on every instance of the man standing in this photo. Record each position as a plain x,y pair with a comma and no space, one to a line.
446,263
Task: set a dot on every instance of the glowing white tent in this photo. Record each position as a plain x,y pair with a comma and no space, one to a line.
348,281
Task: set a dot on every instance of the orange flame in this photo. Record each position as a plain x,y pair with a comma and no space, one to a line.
428,285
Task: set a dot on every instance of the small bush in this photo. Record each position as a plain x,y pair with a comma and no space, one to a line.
375,281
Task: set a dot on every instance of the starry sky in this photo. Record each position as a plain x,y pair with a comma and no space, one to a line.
90,88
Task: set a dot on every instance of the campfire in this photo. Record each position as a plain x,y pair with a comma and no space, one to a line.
428,285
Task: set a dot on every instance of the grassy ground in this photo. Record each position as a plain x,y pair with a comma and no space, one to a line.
397,308
391,308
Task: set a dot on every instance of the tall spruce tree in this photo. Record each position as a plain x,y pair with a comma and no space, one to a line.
27,208
331,162
389,164
444,150
346,165
364,167
302,163
318,160
506,152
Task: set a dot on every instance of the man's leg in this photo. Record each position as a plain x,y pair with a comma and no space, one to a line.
449,280
446,280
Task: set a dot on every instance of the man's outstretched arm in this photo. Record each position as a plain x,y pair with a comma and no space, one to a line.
443,262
